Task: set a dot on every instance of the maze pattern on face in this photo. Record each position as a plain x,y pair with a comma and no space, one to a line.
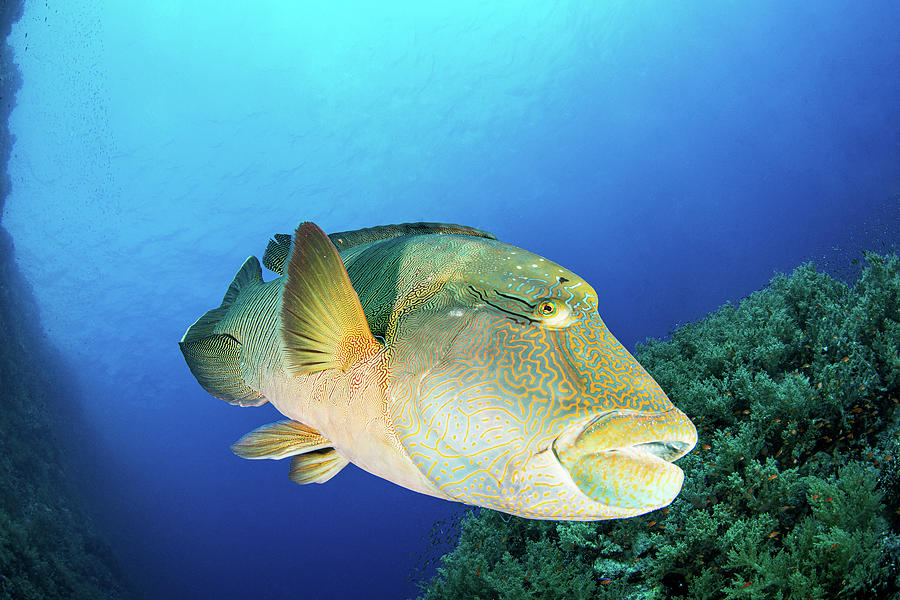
481,419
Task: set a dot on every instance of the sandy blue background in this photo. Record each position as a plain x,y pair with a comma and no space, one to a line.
673,154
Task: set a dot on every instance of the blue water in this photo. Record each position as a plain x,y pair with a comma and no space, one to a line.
673,154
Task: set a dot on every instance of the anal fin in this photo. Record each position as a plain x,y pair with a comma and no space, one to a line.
316,467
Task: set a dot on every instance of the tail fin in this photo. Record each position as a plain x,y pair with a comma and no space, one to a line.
214,357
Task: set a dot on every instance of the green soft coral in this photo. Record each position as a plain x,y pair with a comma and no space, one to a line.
513,559
792,491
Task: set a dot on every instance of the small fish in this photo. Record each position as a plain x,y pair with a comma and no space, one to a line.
447,362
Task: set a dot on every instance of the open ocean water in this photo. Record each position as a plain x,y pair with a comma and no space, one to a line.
674,154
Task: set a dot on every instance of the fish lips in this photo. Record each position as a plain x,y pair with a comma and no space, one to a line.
623,459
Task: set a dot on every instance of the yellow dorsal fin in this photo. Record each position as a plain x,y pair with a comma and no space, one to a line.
316,467
280,440
322,322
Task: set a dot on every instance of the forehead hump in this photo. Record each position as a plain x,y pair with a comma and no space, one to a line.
511,269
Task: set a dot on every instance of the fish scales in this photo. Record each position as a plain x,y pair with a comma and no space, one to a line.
445,361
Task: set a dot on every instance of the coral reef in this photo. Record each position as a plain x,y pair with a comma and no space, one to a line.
793,490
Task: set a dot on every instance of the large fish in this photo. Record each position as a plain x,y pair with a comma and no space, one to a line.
447,362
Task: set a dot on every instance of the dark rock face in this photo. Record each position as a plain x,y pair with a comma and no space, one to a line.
48,546
10,82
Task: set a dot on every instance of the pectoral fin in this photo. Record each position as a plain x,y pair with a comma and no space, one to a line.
322,322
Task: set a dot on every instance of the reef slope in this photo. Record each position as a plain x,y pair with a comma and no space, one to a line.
793,490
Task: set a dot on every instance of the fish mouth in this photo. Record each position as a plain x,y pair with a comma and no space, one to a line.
623,459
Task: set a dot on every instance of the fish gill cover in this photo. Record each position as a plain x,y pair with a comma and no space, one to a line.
795,489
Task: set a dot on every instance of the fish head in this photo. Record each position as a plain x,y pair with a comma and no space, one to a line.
528,404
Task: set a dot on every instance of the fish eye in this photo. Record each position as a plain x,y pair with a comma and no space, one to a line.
547,309
552,312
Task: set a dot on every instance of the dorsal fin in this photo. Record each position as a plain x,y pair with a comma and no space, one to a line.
347,239
248,274
280,245
277,252
323,325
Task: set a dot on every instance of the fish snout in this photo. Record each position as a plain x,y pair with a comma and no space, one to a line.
623,459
